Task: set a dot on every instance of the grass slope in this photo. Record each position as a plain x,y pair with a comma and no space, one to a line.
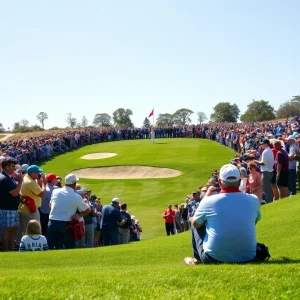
147,198
154,269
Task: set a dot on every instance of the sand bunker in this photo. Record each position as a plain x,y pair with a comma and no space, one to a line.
126,172
99,155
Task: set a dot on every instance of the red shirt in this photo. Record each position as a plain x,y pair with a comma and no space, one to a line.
169,216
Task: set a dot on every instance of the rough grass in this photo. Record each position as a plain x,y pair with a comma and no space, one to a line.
153,268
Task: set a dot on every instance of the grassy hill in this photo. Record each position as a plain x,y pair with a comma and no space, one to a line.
153,268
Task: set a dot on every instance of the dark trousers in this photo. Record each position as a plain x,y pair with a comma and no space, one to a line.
170,228
58,236
110,238
292,181
44,223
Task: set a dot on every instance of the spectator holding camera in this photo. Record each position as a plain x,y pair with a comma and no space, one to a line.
31,195
9,201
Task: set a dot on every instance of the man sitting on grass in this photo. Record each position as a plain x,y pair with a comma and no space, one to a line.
223,226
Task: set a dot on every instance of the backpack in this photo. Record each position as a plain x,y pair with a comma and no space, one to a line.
262,252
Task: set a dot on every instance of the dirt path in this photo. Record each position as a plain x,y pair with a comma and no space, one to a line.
7,135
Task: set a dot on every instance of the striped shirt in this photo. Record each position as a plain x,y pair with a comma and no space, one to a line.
33,243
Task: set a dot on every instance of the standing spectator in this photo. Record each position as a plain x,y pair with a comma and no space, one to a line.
9,201
111,219
177,219
33,240
291,141
282,168
169,216
184,216
266,163
64,204
124,230
45,206
30,188
254,182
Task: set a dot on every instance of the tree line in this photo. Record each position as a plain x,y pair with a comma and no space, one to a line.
257,110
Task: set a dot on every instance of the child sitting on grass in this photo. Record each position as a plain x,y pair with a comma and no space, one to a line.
33,240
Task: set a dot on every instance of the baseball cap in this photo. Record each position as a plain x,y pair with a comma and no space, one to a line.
230,173
70,179
116,200
34,169
24,167
197,192
265,141
82,191
132,217
291,137
51,177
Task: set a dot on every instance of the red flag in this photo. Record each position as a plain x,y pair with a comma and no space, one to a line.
151,114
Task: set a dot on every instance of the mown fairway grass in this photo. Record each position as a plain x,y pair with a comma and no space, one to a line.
153,268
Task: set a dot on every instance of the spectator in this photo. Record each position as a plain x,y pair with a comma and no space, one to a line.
177,219
184,216
9,201
97,221
223,227
135,230
169,216
30,188
45,206
33,240
111,219
282,169
124,230
291,141
254,182
64,204
244,178
266,163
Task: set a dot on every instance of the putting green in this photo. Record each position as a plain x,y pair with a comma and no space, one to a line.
195,159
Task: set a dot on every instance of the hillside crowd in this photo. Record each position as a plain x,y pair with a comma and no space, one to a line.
34,206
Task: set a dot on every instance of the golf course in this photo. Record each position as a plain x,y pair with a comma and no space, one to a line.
153,268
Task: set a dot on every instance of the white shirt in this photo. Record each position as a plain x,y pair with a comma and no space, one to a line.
64,203
268,159
33,243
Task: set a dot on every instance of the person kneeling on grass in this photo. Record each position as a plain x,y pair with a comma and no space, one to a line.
33,240
223,226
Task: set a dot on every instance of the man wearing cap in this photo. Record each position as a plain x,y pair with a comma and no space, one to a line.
267,168
223,226
45,206
64,204
31,189
9,200
291,141
110,222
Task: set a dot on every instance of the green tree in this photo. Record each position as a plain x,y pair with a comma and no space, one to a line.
122,118
2,129
258,110
201,117
103,120
165,120
71,121
84,122
225,112
288,109
24,123
42,116
146,123
182,116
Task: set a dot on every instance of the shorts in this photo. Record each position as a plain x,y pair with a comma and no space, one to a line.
274,177
9,218
283,179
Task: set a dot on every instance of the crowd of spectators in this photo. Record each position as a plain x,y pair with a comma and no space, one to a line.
268,163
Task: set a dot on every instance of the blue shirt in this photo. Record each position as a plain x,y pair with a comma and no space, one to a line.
45,208
230,220
110,217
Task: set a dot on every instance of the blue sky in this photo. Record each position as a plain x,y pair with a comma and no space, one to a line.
89,57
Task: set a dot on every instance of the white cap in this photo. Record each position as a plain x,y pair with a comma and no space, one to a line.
291,137
116,200
230,173
70,179
82,191
132,217
25,167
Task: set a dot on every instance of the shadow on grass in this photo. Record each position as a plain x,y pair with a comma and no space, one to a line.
160,143
283,261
